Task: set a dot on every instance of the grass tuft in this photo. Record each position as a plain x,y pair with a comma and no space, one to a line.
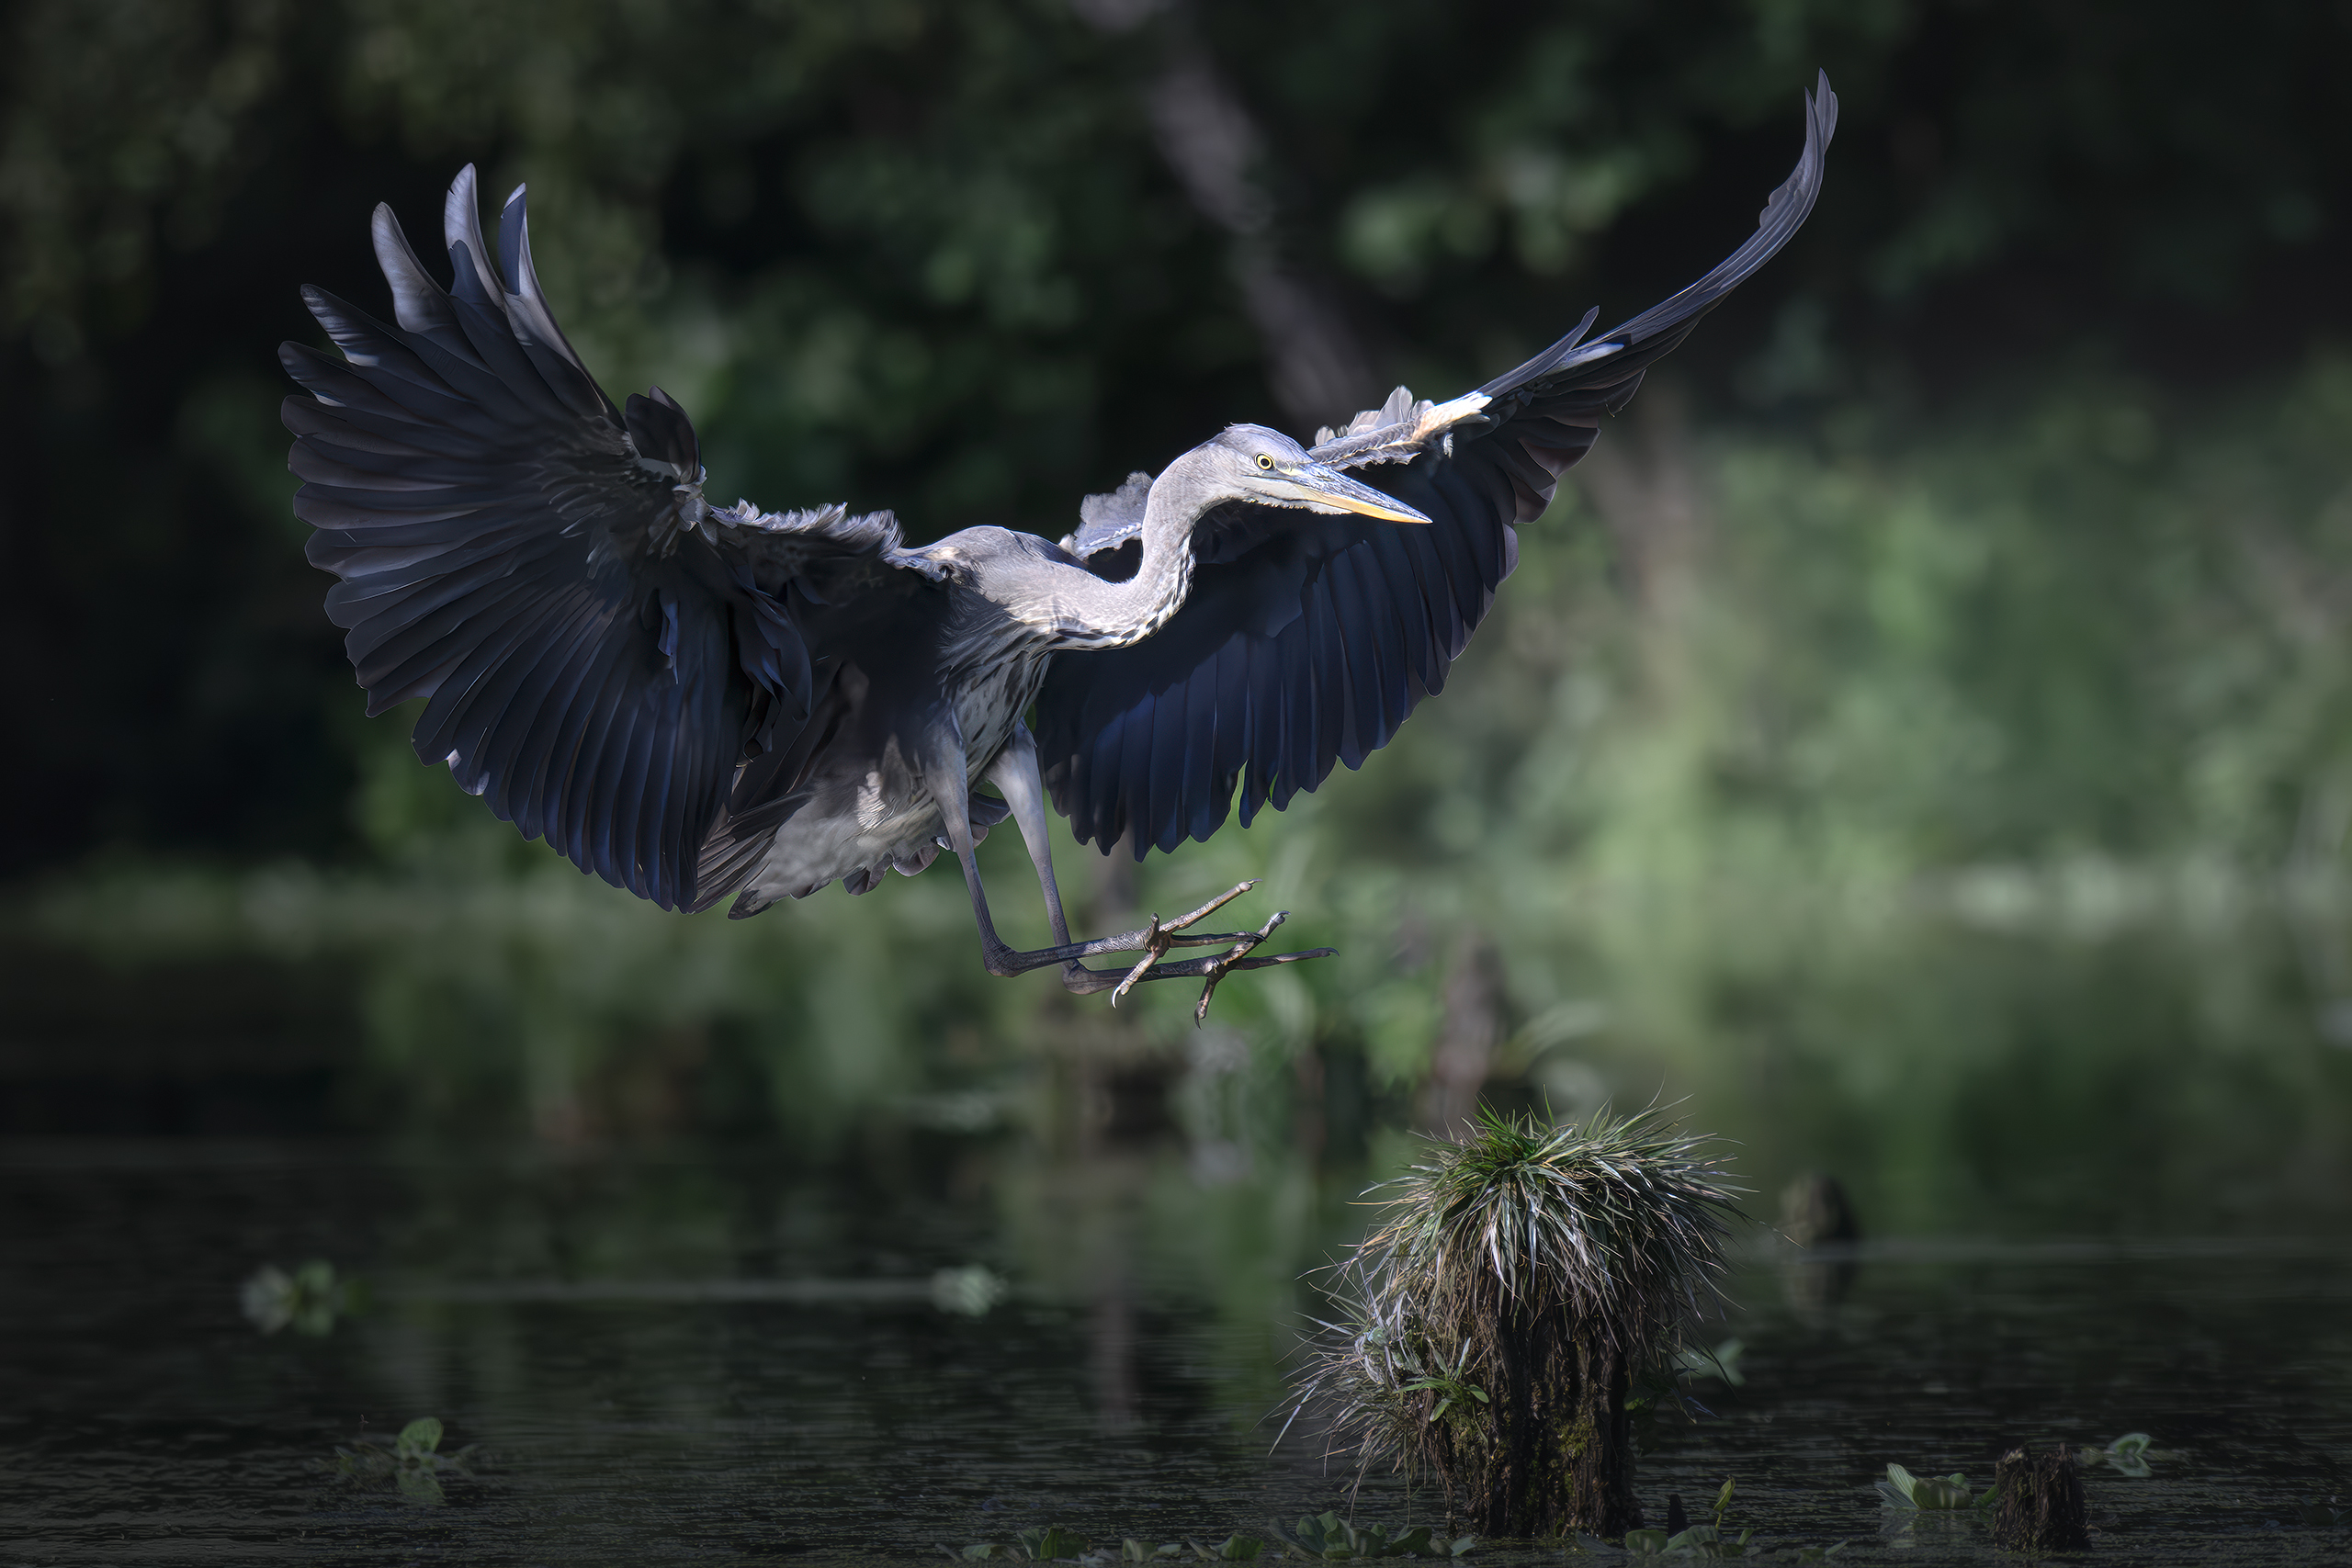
1522,1278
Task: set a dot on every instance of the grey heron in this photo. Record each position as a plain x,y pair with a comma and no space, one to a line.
695,701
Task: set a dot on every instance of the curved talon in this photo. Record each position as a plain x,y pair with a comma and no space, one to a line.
1156,942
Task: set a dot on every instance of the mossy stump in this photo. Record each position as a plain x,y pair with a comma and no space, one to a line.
2042,1507
1494,1324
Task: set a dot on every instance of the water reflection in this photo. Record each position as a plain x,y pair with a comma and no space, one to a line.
1956,1081
716,1250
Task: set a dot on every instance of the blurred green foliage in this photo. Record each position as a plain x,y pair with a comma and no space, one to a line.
1986,558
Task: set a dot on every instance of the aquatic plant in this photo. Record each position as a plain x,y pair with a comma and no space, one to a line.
414,1466
1048,1543
309,1300
1051,1543
1710,1539
2128,1453
1931,1493
968,1292
1699,1541
1494,1323
1328,1537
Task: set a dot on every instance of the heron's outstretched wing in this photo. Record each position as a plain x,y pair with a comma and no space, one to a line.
600,648
1308,638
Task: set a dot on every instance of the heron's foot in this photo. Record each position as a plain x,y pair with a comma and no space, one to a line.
1158,939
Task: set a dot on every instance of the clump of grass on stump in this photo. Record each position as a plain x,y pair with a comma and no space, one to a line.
1523,1278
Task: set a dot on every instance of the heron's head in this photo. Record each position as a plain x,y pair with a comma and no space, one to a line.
1252,463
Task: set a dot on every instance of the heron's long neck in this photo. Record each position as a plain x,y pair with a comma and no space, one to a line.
1113,615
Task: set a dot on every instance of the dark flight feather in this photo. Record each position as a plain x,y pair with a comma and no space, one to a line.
599,651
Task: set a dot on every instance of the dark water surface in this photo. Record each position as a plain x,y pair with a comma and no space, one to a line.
712,1357
711,1272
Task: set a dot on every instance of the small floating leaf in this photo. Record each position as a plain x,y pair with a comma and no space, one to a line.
308,1299
1945,1492
2128,1453
1051,1544
421,1436
968,1292
1901,1489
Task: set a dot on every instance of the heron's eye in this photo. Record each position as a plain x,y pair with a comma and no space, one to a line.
1265,462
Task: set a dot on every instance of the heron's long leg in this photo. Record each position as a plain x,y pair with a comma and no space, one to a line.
951,787
1016,774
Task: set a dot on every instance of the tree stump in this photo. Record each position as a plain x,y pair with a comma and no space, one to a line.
1492,1327
2040,1506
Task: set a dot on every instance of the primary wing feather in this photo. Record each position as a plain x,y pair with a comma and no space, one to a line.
600,651
1304,644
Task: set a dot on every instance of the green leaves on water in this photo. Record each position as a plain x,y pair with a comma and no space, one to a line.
1052,1543
413,1466
2128,1453
418,1440
1699,1541
1931,1493
1331,1539
968,1292
1713,1538
1323,1537
308,1301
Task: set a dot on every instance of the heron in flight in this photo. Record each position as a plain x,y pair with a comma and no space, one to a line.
695,701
